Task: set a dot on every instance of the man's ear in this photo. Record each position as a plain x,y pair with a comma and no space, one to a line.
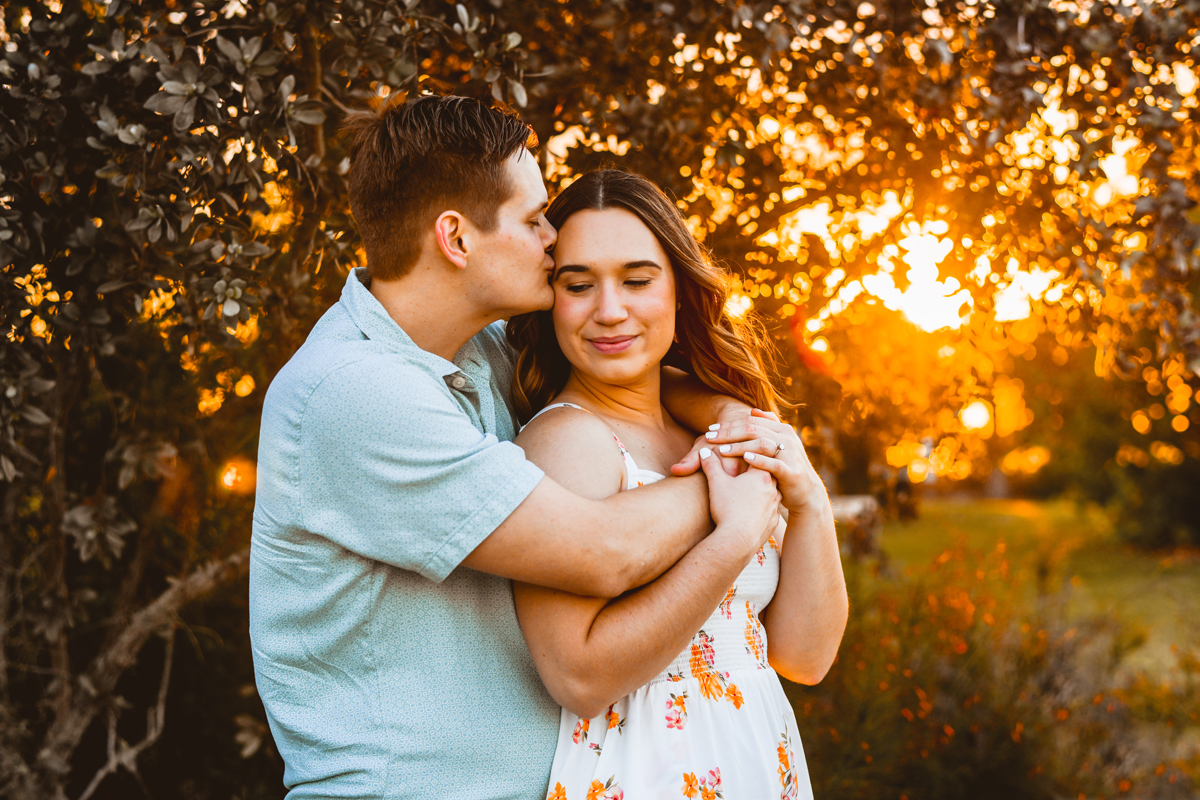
451,230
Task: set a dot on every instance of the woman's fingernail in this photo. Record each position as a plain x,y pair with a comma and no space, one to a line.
749,456
705,452
716,426
710,435
724,448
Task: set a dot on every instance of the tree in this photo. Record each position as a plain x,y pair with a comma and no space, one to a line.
173,218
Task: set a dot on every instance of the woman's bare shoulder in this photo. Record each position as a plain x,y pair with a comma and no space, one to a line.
575,449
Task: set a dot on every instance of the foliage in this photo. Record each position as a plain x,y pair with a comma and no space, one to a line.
948,685
173,218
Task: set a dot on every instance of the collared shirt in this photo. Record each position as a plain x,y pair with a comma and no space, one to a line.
386,669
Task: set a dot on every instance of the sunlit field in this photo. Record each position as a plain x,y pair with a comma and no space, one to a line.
1059,546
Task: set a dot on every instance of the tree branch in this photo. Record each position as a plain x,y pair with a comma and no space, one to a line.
100,679
120,754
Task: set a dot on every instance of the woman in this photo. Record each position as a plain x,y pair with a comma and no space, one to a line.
650,710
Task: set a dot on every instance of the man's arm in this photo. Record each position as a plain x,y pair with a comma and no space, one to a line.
599,545
696,406
590,651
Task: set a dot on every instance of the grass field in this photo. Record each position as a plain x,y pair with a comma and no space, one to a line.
1057,547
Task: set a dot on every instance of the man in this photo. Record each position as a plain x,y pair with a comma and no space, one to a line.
392,508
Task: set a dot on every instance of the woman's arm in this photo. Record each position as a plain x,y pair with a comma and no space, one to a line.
807,617
590,652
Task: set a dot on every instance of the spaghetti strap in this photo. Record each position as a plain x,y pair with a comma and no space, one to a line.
631,468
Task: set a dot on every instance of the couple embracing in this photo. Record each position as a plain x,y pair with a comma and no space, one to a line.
445,604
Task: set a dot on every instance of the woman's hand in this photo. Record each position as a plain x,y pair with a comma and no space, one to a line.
745,506
773,446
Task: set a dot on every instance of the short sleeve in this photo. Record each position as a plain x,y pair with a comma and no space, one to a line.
392,469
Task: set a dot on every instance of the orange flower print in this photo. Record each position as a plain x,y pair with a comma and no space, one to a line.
727,604
774,545
606,791
707,649
754,642
707,787
557,793
614,719
761,556
789,780
710,686
581,731
734,695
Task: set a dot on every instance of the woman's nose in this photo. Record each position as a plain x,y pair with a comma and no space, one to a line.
611,308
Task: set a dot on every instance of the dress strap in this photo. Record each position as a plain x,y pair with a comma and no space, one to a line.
631,467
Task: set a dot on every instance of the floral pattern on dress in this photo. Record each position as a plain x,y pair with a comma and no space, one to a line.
726,606
788,777
706,787
613,717
754,640
714,684
605,791
677,711
581,731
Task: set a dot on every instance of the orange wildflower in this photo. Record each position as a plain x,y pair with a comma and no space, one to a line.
708,792
733,695
558,793
698,664
596,792
691,787
614,719
784,762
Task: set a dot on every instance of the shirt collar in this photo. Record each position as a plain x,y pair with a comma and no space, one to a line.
372,319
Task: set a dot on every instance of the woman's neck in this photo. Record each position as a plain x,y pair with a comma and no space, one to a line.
638,402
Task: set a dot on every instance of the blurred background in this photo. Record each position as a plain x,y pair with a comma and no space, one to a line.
971,228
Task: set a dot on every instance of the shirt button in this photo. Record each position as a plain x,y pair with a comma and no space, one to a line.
458,382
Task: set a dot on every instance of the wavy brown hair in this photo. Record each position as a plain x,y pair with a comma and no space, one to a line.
729,354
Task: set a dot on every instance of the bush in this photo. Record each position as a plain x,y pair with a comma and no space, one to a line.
949,685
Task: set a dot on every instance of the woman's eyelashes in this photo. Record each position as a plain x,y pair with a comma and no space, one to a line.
634,283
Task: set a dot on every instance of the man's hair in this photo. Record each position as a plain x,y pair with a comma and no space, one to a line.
411,161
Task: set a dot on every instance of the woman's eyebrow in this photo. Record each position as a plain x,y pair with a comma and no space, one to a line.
565,268
570,268
637,264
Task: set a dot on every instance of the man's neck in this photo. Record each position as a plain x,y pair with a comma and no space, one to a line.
637,402
436,316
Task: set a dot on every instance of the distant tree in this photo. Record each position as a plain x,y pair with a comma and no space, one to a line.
173,219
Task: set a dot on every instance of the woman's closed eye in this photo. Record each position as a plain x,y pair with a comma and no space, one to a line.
577,288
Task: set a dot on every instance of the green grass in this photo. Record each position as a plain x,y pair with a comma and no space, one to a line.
1056,546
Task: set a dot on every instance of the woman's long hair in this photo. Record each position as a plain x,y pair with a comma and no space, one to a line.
729,354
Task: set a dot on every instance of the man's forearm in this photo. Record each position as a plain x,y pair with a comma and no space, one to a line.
648,530
693,404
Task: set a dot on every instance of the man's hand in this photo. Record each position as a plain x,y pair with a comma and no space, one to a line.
733,420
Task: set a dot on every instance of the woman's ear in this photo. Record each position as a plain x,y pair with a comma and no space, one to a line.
450,229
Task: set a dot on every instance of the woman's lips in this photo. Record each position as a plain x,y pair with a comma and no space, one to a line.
612,344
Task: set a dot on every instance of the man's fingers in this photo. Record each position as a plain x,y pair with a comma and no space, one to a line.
686,465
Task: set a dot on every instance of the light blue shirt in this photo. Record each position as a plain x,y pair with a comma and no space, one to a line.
386,669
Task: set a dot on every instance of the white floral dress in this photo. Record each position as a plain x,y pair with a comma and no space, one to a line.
714,724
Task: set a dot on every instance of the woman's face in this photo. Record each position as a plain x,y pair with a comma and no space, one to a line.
614,296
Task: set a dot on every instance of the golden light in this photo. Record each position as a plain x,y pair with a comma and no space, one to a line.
1185,80
1141,422
738,305
1180,423
976,416
244,386
1166,453
820,345
918,471
238,476
1025,460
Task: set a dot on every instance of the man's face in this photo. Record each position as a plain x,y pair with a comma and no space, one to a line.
509,266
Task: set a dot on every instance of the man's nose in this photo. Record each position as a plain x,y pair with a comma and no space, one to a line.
551,237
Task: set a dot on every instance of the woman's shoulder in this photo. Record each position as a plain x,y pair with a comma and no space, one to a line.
576,449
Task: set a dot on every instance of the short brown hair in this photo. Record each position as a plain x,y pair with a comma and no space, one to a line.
412,160
732,355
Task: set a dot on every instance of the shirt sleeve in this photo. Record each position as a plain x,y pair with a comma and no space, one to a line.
392,469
